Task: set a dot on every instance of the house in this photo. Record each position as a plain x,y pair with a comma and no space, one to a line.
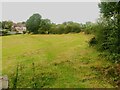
19,28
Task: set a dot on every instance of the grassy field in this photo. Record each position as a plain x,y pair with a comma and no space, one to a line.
54,61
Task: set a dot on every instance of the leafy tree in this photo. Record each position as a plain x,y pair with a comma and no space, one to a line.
60,28
4,32
53,29
75,27
90,28
68,27
44,26
108,36
33,23
23,22
7,25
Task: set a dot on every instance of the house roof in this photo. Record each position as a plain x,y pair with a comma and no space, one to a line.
19,25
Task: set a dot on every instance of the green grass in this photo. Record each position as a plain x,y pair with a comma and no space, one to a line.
54,61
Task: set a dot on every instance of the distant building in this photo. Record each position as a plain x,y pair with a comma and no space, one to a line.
18,28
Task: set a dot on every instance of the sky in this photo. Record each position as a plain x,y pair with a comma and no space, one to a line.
57,12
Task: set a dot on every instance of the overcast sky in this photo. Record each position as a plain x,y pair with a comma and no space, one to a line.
57,12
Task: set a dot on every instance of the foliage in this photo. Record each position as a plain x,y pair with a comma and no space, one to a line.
0,25
33,23
90,28
65,28
44,26
107,34
93,41
7,25
15,80
24,32
4,32
72,27
60,28
36,25
53,29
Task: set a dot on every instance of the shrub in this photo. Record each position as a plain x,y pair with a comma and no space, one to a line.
24,32
4,32
93,41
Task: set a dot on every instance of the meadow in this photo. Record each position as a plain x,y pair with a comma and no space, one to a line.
52,61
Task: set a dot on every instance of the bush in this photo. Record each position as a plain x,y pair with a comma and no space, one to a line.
108,36
4,32
65,28
114,57
93,41
24,32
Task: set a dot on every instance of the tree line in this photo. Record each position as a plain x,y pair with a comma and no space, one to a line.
36,25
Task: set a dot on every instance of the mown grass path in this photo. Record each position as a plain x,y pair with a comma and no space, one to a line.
55,61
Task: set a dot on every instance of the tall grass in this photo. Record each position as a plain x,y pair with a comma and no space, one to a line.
51,61
33,77
15,80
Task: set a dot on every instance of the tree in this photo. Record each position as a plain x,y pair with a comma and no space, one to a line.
60,28
68,27
7,25
72,27
108,36
23,22
53,29
44,26
33,23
